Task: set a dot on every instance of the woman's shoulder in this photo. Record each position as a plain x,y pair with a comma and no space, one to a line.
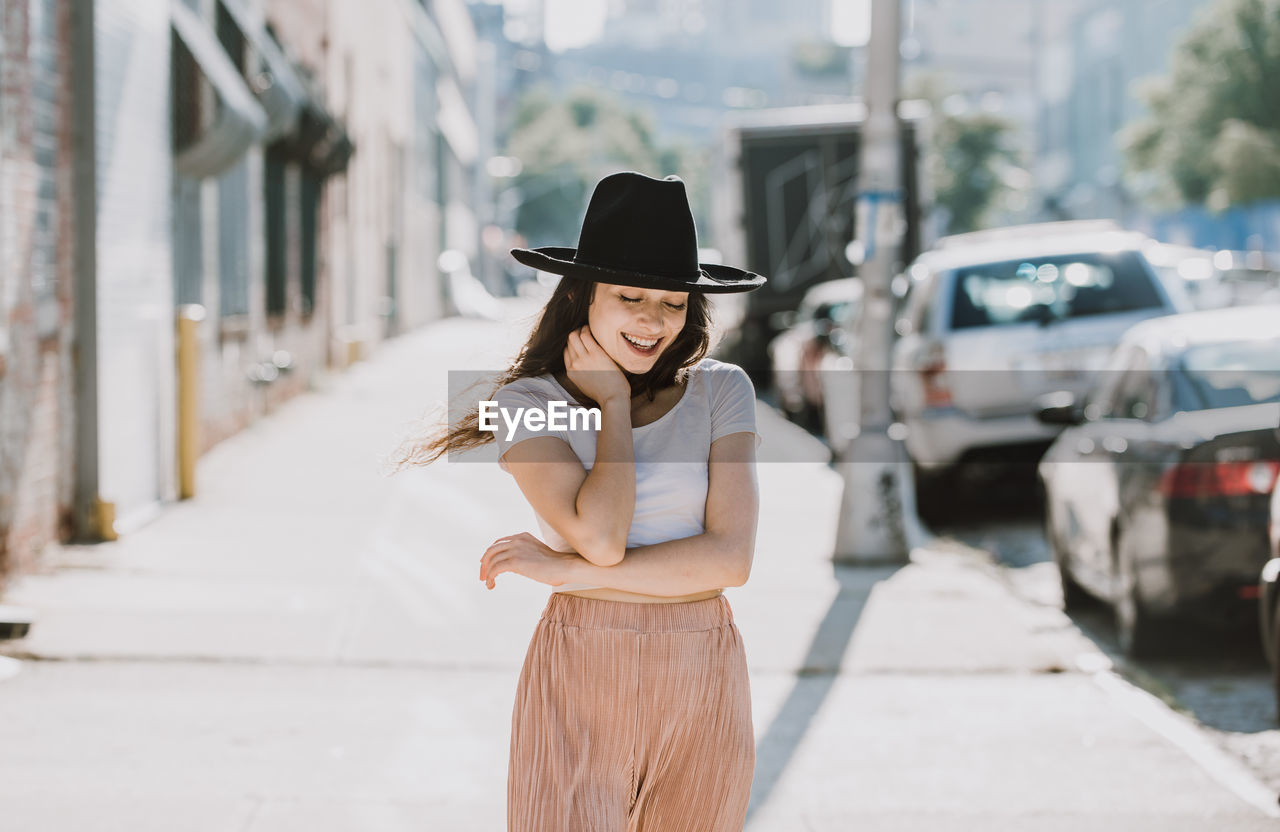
537,392
538,386
719,373
715,365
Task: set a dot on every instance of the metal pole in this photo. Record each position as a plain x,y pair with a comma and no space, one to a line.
872,524
90,522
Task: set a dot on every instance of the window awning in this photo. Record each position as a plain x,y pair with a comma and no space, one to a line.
241,122
318,142
279,89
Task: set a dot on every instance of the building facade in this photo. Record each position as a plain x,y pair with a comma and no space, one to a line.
203,204
37,233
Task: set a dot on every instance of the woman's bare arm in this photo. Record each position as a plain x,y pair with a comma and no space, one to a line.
719,557
592,510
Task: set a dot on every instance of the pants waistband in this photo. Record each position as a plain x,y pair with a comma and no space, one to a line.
596,614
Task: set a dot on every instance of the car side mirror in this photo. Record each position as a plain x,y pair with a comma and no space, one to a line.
1060,408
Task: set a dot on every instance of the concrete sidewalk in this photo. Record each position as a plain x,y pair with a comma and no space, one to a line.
306,645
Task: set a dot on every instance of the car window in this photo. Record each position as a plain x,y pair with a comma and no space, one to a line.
1135,396
919,305
1046,288
1230,374
1106,386
843,313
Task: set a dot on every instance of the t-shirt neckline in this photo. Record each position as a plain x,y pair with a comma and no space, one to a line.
696,371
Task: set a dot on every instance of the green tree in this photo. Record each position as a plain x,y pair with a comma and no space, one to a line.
1212,132
968,159
566,145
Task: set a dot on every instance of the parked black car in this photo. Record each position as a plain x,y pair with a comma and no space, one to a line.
1157,493
1269,598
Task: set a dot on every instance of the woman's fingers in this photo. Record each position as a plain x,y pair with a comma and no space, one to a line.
499,565
584,336
573,354
590,359
517,554
486,560
499,550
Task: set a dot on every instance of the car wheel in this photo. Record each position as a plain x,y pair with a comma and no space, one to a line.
1141,634
935,494
1275,664
1074,596
810,418
789,409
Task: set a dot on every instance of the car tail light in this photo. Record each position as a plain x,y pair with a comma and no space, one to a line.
1220,479
933,368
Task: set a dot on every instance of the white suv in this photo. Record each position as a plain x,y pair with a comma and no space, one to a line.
996,319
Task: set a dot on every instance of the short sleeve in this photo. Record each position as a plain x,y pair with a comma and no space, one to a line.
733,402
511,399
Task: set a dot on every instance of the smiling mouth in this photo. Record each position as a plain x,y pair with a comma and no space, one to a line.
640,348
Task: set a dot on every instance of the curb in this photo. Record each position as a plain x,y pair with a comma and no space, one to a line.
1146,698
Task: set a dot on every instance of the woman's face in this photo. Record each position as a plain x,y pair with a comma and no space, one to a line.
622,315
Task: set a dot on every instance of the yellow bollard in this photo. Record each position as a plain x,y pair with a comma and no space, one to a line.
189,317
106,519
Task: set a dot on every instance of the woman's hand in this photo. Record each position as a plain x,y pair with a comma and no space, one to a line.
592,370
524,554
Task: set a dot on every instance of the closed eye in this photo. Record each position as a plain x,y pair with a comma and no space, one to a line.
637,300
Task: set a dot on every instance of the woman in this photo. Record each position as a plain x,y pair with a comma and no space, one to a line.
632,708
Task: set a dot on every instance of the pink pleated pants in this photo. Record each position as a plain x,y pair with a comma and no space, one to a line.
631,718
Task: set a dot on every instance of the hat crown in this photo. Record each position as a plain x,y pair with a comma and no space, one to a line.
640,224
639,231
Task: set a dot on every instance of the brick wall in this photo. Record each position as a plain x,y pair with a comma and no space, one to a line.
230,401
36,416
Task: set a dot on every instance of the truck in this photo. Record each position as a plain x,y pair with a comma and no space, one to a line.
783,205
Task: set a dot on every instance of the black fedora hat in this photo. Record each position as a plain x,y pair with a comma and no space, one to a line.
639,231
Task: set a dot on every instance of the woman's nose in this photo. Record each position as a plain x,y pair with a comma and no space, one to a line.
650,317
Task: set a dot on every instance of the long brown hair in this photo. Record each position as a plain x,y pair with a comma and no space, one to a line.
543,353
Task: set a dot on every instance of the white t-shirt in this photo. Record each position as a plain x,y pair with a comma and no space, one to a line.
671,453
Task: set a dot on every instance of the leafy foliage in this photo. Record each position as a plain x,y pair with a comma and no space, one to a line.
966,178
968,159
1212,133
566,145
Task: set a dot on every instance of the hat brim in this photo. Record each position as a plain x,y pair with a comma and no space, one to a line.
711,278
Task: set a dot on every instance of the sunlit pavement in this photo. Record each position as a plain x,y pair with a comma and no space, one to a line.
1219,677
307,646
